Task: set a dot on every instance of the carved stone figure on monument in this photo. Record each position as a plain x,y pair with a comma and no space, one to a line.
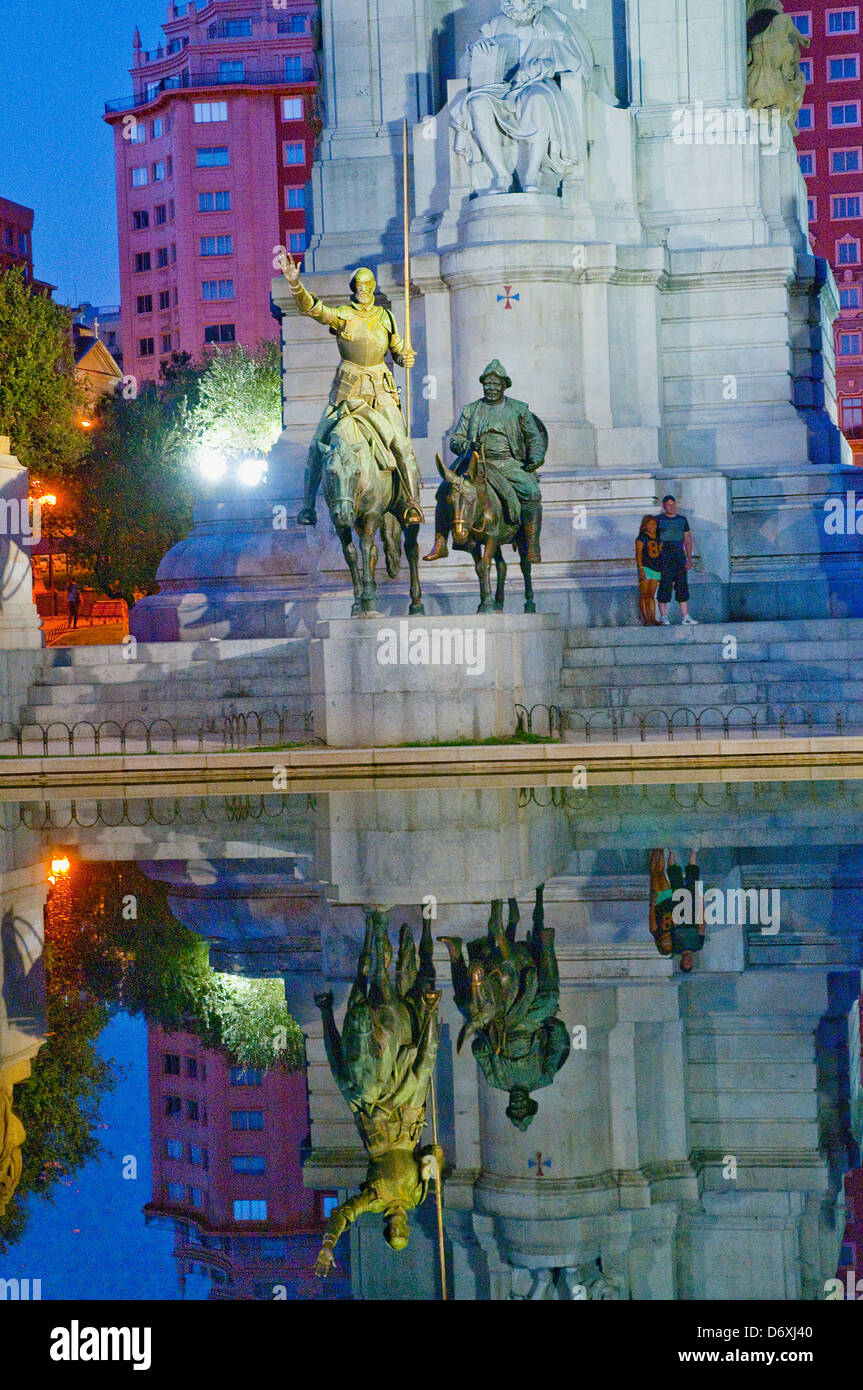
12,1138
515,100
509,993
774,76
383,1065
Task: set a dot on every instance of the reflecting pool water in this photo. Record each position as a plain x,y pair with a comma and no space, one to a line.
514,1043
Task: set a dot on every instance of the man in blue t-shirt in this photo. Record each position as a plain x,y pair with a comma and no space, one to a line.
675,560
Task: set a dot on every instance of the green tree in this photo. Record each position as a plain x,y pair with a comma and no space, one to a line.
133,495
238,410
40,398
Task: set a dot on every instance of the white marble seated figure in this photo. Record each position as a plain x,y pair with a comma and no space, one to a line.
515,102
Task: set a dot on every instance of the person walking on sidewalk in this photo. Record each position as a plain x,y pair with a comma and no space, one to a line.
675,560
73,602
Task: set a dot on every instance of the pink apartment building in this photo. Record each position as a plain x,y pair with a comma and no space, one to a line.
227,1144
213,151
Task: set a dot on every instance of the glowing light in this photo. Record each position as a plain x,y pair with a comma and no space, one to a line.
211,465
60,866
251,472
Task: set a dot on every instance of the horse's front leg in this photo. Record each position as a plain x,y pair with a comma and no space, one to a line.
369,553
412,551
349,551
500,565
482,561
527,571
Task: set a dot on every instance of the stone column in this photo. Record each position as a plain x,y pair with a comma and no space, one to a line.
20,624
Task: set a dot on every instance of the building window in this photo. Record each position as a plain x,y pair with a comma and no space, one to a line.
173,1104
192,1110
198,1156
170,165
161,214
217,289
803,22
231,29
219,201
812,209
297,242
159,171
162,258
192,1067
166,342
806,118
173,1148
139,176
232,72
250,1211
196,1196
157,129
138,133
807,162
328,1206
845,161
295,152
294,68
848,205
176,296
173,253
145,306
246,1076
849,344
176,1192
170,209
212,157
217,245
247,1119
295,198
208,111
249,1163
843,113
849,298
852,414
843,69
842,21
848,251
219,333
152,90
292,108
142,261
164,299
806,69
140,220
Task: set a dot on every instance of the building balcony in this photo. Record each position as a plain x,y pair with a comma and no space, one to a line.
204,78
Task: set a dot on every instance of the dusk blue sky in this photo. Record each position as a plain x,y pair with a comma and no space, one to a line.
62,60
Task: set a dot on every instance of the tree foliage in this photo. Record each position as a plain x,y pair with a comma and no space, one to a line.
238,411
40,399
133,496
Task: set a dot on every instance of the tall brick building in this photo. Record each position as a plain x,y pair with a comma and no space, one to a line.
830,144
213,151
227,1176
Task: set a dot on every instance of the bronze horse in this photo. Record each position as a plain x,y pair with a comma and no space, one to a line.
476,518
365,498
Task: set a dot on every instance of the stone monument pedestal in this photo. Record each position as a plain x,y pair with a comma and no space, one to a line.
381,682
20,624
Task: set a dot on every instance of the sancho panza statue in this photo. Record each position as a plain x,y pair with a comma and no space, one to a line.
383,1064
515,101
509,993
513,445
363,387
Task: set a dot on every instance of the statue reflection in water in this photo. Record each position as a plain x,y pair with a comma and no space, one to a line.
383,1065
509,994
